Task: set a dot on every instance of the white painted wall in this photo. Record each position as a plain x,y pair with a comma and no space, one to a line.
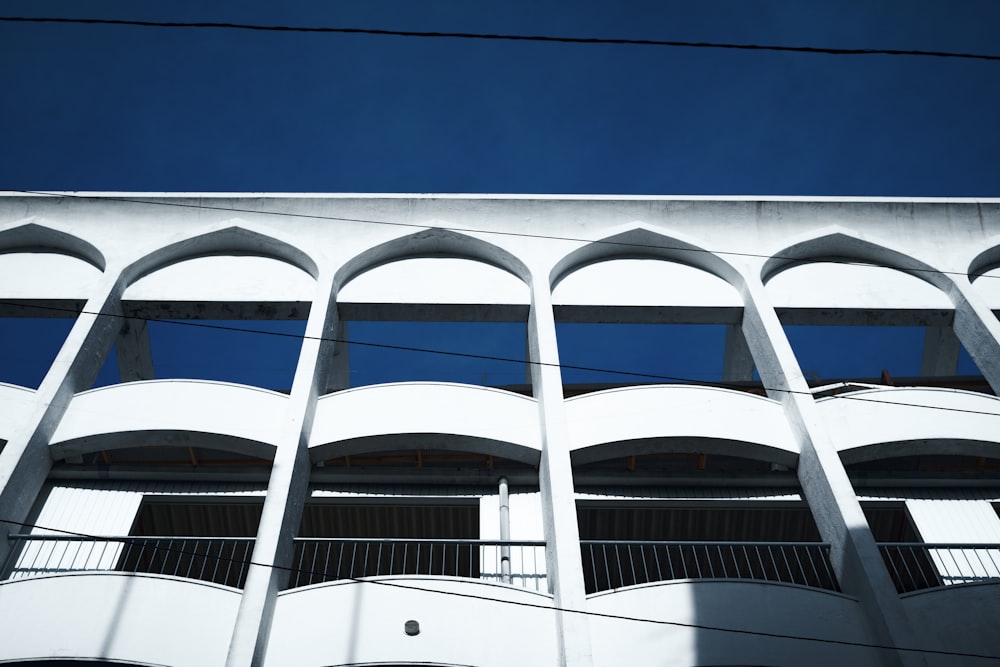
752,606
133,618
45,275
874,417
643,282
845,285
224,278
15,406
957,619
198,406
435,280
362,623
677,412
426,407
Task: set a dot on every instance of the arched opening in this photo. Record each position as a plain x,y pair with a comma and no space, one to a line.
445,319
42,293
228,316
856,318
648,321
669,509
422,504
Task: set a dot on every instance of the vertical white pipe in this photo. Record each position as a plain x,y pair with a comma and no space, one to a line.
504,532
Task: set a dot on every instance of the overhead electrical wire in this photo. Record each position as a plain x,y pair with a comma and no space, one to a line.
485,357
517,603
508,37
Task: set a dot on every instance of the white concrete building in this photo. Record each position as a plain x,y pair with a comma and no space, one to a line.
760,517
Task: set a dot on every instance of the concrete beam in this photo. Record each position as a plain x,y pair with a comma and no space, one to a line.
135,356
941,348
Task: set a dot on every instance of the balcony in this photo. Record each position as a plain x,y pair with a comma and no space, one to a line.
610,565
222,561
916,566
520,564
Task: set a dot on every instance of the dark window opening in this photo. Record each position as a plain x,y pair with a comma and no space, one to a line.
925,465
351,540
680,464
632,543
910,567
209,541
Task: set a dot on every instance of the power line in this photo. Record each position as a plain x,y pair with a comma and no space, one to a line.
518,603
460,230
224,25
486,357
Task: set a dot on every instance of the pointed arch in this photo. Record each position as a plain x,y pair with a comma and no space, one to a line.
640,241
231,237
435,242
837,243
31,236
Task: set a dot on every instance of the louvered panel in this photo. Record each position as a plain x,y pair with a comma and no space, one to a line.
110,507
956,521
88,511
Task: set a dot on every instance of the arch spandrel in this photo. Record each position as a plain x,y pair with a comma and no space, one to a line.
225,239
434,242
642,242
31,236
837,244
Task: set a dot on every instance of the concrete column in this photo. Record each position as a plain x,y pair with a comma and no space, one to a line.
287,489
25,461
555,477
135,356
834,505
978,329
737,362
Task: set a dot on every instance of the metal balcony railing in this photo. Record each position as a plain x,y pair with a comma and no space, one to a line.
520,564
615,564
218,560
916,566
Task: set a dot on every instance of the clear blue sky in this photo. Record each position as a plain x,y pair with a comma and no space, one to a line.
127,108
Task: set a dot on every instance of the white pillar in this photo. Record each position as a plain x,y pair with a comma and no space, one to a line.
287,488
25,461
825,485
555,477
